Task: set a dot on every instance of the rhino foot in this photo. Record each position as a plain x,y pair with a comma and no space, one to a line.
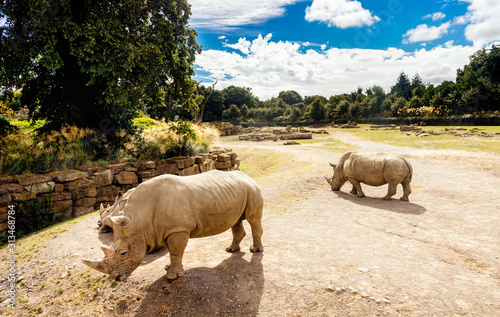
256,249
232,249
404,199
173,273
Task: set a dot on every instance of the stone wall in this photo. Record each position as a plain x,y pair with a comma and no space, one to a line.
81,190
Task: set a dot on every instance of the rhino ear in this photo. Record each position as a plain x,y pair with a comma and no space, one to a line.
120,195
120,220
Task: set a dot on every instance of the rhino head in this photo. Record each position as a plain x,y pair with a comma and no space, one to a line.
103,213
124,255
335,181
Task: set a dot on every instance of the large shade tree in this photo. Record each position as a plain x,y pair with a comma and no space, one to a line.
95,63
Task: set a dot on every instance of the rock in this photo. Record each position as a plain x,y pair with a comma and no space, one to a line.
81,188
37,179
363,269
67,176
5,199
142,166
329,288
102,178
127,178
79,211
40,188
338,290
85,202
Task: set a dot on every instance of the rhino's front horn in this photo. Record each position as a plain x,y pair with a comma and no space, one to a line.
329,180
332,165
98,265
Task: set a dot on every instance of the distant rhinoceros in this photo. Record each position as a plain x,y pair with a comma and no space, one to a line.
168,210
374,169
112,210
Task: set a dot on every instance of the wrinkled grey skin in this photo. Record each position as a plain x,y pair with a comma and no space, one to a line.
168,210
112,210
374,169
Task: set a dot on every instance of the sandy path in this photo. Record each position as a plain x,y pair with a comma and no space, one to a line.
326,253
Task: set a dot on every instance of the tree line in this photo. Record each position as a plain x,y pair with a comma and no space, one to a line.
475,91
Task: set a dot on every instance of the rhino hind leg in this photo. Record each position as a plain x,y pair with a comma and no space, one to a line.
256,235
176,244
391,191
406,191
238,235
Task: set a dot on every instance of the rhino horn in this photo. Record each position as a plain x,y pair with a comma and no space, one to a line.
107,250
101,208
332,165
329,180
98,265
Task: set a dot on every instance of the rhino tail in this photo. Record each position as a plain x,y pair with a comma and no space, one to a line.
410,170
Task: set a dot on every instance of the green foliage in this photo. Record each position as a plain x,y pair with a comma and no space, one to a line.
5,126
317,110
290,97
94,64
36,214
233,112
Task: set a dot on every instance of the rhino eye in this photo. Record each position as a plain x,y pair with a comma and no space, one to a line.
123,253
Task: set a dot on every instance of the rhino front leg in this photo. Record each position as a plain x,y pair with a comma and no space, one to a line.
176,244
391,191
356,186
238,235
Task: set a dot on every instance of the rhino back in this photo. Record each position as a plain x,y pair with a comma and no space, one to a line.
203,204
376,169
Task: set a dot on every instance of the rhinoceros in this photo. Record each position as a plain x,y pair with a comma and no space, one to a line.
374,169
112,210
168,210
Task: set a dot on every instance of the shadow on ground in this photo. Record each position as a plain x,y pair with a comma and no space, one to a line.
393,205
232,288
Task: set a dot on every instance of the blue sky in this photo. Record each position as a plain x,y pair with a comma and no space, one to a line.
328,47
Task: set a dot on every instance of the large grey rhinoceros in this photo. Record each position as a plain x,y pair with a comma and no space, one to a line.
374,169
168,210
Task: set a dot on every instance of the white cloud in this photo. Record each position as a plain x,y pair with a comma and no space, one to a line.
483,16
435,16
223,14
340,13
243,45
270,67
423,33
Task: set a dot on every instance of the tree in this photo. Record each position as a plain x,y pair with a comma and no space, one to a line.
239,96
480,80
96,63
402,88
290,97
317,110
233,112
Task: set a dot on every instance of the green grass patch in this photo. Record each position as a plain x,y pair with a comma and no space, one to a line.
433,142
328,144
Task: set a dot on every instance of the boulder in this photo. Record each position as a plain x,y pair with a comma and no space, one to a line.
102,178
40,188
125,177
67,176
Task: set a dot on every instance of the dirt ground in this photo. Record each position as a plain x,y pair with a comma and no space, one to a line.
326,253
